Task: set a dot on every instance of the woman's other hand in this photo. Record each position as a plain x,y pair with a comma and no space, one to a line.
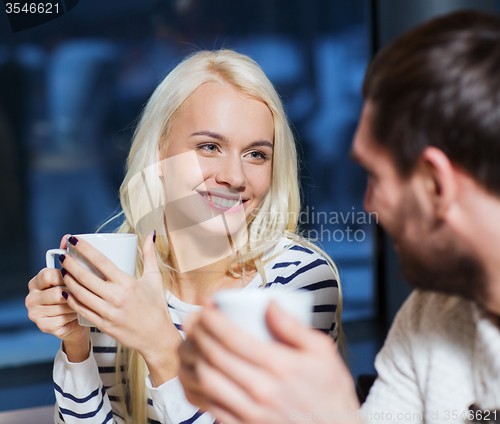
132,311
48,308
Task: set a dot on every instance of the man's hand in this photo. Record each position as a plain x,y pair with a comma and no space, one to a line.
242,380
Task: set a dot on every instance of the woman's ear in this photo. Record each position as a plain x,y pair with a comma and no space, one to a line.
441,181
159,168
162,155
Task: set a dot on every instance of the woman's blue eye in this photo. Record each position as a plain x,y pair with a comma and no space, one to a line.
258,155
208,147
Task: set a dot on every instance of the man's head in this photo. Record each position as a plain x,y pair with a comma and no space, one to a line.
439,85
429,137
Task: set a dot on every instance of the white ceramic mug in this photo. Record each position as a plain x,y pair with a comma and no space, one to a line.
247,307
121,249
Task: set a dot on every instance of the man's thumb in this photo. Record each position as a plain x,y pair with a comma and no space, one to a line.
287,329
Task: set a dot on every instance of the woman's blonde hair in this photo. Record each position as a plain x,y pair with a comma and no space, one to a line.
277,215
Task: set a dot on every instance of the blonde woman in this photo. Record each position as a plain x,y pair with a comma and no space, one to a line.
212,192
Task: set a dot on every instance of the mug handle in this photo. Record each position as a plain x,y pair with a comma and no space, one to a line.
49,256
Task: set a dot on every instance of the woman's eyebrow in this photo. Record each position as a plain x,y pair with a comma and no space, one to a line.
225,140
261,144
211,135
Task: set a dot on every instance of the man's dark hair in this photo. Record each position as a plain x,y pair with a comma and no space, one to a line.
439,85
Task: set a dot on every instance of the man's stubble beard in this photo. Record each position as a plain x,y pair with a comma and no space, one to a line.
435,258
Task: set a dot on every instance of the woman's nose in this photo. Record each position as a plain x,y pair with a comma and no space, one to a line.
230,172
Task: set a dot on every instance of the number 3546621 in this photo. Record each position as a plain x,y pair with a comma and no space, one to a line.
32,8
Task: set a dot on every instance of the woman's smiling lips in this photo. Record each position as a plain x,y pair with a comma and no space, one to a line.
223,202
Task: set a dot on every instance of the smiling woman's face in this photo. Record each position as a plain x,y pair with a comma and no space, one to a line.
218,160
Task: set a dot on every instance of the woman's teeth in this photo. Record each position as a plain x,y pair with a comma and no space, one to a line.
224,203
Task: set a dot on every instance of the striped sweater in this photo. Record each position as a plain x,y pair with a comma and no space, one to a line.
87,392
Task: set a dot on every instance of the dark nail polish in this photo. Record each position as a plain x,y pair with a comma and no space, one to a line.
73,240
65,295
154,236
63,272
62,258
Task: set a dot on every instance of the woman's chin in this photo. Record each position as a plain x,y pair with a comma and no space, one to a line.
220,229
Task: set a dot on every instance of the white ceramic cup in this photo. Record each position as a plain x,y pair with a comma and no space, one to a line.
247,307
121,249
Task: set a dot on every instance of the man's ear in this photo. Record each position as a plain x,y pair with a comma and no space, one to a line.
440,179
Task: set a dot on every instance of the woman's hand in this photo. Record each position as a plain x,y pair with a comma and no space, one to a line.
133,312
241,380
49,310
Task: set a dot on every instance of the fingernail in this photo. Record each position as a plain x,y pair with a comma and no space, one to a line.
154,236
63,272
62,258
73,240
65,295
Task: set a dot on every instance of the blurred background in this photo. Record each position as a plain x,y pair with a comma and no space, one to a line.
71,91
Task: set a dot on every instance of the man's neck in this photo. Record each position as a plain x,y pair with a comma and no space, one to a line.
481,228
